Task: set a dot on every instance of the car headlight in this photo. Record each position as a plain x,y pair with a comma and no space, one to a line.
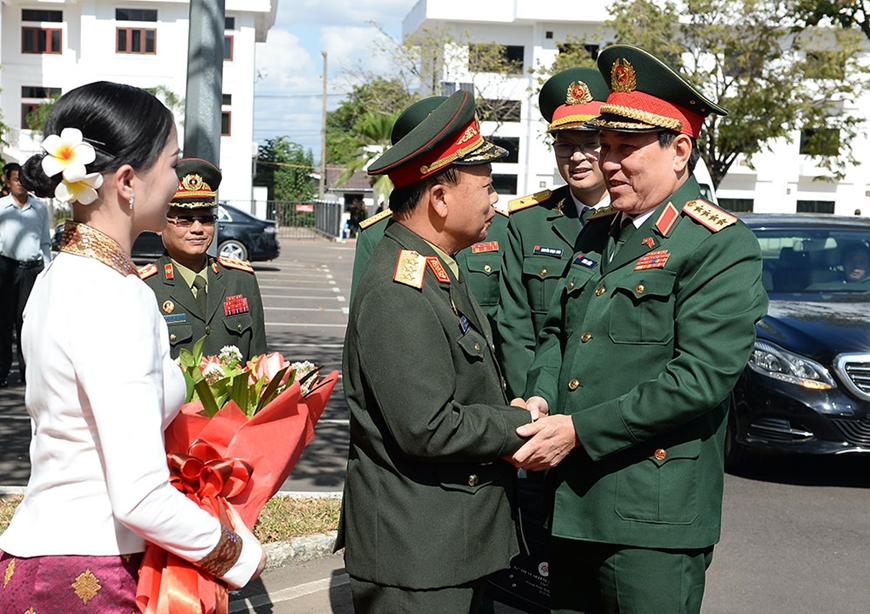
773,361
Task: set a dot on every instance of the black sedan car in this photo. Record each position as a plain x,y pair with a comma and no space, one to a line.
240,235
807,386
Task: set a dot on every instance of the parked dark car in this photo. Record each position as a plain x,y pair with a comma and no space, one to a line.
240,235
807,386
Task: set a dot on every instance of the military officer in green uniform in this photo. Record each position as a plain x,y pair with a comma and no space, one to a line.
543,227
199,296
427,511
480,263
646,335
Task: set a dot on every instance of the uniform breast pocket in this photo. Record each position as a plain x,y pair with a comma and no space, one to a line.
642,309
484,273
662,487
180,333
239,324
473,345
541,275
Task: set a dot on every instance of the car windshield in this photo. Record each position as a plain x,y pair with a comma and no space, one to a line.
815,263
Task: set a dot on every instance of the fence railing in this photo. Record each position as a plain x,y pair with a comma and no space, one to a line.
298,220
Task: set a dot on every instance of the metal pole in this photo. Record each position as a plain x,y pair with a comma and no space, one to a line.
323,134
205,59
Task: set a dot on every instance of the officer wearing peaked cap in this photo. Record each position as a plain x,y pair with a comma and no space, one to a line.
429,419
667,303
199,296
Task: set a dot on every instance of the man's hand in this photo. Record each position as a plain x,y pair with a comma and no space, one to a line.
538,406
551,439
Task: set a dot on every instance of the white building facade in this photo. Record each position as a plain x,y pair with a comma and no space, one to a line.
782,181
50,47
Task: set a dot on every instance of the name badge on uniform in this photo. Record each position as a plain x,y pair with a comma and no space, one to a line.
584,261
175,319
463,324
555,252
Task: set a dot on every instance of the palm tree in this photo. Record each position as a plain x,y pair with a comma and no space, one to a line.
373,131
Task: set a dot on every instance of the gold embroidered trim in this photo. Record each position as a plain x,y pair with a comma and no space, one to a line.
221,559
10,569
83,240
644,116
86,586
456,155
410,269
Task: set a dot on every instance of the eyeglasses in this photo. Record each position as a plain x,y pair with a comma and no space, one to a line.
586,148
186,221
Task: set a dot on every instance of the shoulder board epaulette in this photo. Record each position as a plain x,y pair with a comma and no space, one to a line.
604,212
502,211
410,268
231,263
708,215
531,200
377,217
149,270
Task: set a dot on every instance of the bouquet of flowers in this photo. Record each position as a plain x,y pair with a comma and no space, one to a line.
235,442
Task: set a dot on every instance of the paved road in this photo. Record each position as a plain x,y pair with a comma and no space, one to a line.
796,532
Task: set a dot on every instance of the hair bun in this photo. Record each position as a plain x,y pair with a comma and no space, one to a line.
34,178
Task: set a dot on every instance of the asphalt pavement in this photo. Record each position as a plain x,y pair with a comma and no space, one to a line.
795,535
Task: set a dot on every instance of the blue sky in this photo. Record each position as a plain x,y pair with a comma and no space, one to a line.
288,92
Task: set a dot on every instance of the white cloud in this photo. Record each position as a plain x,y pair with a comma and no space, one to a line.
283,64
343,12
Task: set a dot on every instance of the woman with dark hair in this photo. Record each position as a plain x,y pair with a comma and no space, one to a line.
101,386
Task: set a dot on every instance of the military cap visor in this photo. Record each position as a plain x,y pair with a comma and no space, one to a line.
572,97
198,181
450,134
647,94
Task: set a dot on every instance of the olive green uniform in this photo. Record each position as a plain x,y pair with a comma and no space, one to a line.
427,498
234,306
673,317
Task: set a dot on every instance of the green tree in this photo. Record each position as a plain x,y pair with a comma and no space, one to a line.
285,168
774,78
845,13
373,133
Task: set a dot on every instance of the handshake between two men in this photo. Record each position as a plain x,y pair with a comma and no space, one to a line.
549,439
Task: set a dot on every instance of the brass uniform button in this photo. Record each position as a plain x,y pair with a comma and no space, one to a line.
543,272
477,347
574,384
570,285
172,337
586,337
660,454
208,330
639,288
504,384
239,326
472,480
487,268
599,290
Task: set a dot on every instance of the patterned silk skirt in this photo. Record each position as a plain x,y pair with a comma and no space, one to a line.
69,584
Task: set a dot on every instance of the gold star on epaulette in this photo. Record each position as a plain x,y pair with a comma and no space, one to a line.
232,263
604,212
377,217
410,269
708,215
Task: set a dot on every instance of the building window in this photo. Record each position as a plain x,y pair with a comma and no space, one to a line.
226,99
495,58
737,205
41,40
815,206
38,91
37,15
229,23
33,97
228,48
135,14
820,142
226,122
512,144
504,184
581,50
491,110
26,109
137,40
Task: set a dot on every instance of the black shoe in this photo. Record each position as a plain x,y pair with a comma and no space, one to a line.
4,383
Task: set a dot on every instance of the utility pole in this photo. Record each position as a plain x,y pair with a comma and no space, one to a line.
323,134
202,101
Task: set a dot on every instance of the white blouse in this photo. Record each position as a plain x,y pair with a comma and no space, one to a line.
101,389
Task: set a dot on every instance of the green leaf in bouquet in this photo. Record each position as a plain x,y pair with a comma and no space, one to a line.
239,392
271,389
209,404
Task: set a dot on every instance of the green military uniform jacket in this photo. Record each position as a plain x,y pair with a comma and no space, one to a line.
480,264
541,236
427,499
235,309
642,352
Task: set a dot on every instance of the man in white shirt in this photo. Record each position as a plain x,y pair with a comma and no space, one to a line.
24,251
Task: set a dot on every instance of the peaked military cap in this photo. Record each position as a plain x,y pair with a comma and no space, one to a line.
572,97
648,95
198,181
450,134
413,115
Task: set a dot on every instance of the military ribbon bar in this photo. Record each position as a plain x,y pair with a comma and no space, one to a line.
235,304
487,246
653,260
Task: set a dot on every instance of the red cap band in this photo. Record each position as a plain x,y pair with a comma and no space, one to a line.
467,140
652,110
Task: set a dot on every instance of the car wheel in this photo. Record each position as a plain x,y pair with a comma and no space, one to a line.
233,249
736,454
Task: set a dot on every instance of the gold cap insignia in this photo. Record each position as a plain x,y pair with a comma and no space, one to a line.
194,183
168,306
622,76
578,93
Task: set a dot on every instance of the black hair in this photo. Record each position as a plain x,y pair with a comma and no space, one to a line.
666,137
405,200
10,166
125,124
